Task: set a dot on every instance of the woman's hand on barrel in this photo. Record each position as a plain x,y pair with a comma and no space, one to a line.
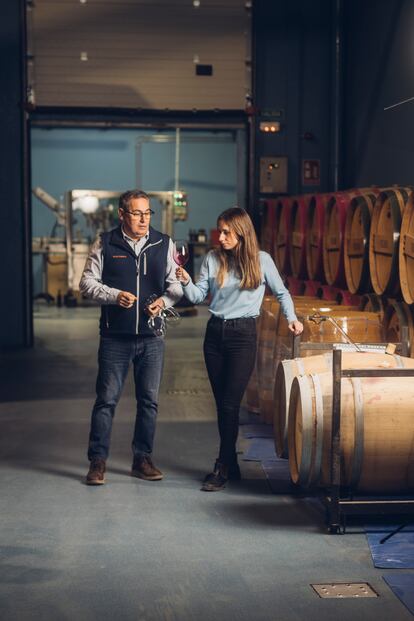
296,327
182,275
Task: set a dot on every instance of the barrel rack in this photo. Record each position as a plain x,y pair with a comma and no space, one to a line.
340,502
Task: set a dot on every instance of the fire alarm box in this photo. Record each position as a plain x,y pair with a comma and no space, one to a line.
311,172
273,175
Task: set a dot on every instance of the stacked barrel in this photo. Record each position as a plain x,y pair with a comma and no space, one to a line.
348,261
324,322
355,247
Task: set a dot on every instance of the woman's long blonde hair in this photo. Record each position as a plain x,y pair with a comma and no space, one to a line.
244,258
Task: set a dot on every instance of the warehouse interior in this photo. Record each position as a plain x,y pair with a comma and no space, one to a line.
299,112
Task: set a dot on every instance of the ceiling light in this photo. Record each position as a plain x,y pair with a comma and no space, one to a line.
270,126
86,204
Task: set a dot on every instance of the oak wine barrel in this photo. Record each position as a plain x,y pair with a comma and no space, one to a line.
268,354
312,287
406,252
265,359
296,286
297,247
373,303
328,325
314,237
356,251
333,238
384,240
251,395
289,369
398,314
377,433
327,292
348,299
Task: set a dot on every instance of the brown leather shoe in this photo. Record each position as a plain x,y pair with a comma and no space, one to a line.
96,474
144,469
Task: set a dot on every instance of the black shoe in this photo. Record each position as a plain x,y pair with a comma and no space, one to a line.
216,480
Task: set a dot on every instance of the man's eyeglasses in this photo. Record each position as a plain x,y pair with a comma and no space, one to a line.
142,215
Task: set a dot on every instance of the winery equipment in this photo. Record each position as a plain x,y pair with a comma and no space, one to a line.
64,255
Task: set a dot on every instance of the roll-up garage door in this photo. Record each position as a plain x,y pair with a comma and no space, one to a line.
150,54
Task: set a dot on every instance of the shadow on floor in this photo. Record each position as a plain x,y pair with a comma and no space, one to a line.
290,515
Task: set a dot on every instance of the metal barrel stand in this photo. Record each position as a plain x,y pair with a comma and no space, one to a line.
338,503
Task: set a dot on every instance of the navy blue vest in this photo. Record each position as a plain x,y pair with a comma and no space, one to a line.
143,276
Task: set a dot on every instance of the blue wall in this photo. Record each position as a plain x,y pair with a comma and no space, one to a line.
120,159
293,74
379,73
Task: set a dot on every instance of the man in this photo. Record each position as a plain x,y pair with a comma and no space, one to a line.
124,268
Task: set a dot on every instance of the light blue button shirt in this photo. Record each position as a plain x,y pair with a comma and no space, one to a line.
231,302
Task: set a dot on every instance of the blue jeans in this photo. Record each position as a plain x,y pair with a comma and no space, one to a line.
229,354
114,357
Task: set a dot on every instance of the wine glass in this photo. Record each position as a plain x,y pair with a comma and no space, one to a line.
155,322
181,253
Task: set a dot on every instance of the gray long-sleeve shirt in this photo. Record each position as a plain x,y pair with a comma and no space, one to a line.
91,284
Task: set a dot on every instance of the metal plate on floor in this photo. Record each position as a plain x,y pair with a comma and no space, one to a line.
345,589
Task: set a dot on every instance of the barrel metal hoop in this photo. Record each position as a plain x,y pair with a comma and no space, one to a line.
399,361
301,368
289,377
306,404
317,463
358,432
328,357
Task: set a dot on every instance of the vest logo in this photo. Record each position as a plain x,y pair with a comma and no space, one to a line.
119,256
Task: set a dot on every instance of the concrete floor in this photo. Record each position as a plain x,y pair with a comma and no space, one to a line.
133,550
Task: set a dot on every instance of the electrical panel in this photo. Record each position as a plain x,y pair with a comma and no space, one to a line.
273,175
180,205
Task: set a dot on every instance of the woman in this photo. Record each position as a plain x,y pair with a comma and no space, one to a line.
235,275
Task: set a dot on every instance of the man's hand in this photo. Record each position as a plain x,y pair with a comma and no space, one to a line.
154,308
126,299
182,275
296,327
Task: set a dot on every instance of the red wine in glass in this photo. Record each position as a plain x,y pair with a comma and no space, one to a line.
181,255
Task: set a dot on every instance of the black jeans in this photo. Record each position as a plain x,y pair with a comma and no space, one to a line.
229,354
